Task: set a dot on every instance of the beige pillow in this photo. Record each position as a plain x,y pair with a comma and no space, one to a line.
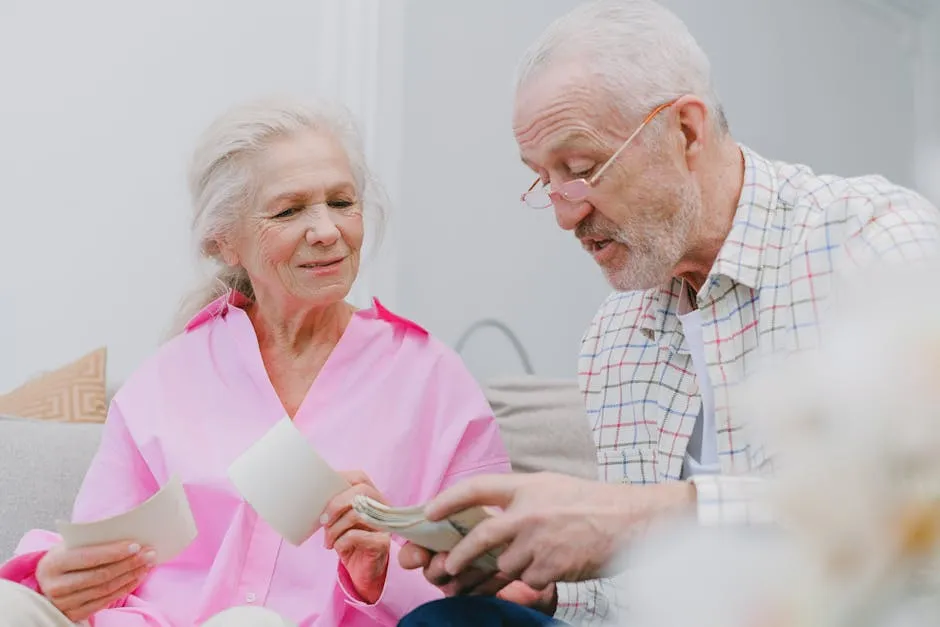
73,393
544,425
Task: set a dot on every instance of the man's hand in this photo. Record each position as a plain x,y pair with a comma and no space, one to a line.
553,527
474,582
544,601
469,581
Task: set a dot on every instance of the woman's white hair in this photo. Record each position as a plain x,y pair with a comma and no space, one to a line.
222,185
641,52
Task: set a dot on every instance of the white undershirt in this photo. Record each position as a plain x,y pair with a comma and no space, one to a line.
701,456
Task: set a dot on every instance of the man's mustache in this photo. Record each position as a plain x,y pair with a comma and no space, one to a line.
596,228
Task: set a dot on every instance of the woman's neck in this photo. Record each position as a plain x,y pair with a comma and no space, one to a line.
294,332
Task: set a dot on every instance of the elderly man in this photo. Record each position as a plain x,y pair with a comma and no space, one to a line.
719,257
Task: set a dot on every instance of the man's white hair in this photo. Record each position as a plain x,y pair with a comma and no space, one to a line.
642,53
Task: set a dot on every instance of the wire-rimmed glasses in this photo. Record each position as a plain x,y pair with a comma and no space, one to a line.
543,196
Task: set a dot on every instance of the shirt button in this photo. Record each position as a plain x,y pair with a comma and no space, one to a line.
250,597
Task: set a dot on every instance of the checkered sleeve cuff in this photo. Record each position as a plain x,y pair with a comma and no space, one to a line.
732,500
584,604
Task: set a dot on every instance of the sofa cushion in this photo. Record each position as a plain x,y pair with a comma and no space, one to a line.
42,465
544,425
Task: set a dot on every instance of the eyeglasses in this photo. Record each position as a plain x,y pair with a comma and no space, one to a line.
543,196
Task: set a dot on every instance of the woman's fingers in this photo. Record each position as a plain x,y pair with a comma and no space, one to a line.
336,530
356,477
56,585
92,606
364,540
101,591
81,581
60,560
338,518
342,502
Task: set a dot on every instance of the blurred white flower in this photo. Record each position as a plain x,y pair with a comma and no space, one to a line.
854,429
682,574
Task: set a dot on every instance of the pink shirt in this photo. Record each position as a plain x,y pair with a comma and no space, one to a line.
391,401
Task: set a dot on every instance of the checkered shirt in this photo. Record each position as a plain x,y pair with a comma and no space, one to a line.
794,237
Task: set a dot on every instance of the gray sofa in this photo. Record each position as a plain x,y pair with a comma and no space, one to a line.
42,463
41,467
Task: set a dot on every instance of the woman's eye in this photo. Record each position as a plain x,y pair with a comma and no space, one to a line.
341,204
288,212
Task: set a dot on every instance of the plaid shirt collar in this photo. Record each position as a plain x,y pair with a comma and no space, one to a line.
740,257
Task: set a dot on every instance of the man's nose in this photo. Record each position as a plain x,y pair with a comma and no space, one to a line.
570,214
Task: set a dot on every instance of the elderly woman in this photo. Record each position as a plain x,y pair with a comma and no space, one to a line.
280,191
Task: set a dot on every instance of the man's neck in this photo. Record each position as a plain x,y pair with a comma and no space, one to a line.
721,193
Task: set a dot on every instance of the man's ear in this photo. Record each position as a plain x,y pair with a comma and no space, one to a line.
694,122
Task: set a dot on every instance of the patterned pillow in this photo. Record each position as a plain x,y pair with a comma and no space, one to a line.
73,393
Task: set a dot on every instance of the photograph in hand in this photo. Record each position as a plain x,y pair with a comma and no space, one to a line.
163,522
286,481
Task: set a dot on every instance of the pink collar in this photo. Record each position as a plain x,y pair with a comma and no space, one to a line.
217,308
220,306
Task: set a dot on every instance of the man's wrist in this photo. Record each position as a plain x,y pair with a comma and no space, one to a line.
672,496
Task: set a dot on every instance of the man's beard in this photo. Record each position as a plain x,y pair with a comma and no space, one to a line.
653,246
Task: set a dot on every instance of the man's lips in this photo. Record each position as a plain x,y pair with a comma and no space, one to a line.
595,244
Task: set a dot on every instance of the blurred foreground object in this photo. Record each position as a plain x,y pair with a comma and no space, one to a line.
854,430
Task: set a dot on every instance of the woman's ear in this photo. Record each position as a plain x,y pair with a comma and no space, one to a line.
225,250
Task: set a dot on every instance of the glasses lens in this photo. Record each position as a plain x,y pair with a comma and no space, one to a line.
575,191
538,198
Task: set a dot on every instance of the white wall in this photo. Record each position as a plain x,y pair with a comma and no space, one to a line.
928,98
467,248
100,107
824,82
101,104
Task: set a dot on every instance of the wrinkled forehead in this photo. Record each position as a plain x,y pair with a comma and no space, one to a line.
302,162
310,150
562,108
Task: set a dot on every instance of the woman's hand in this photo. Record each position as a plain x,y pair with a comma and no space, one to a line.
80,582
363,551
